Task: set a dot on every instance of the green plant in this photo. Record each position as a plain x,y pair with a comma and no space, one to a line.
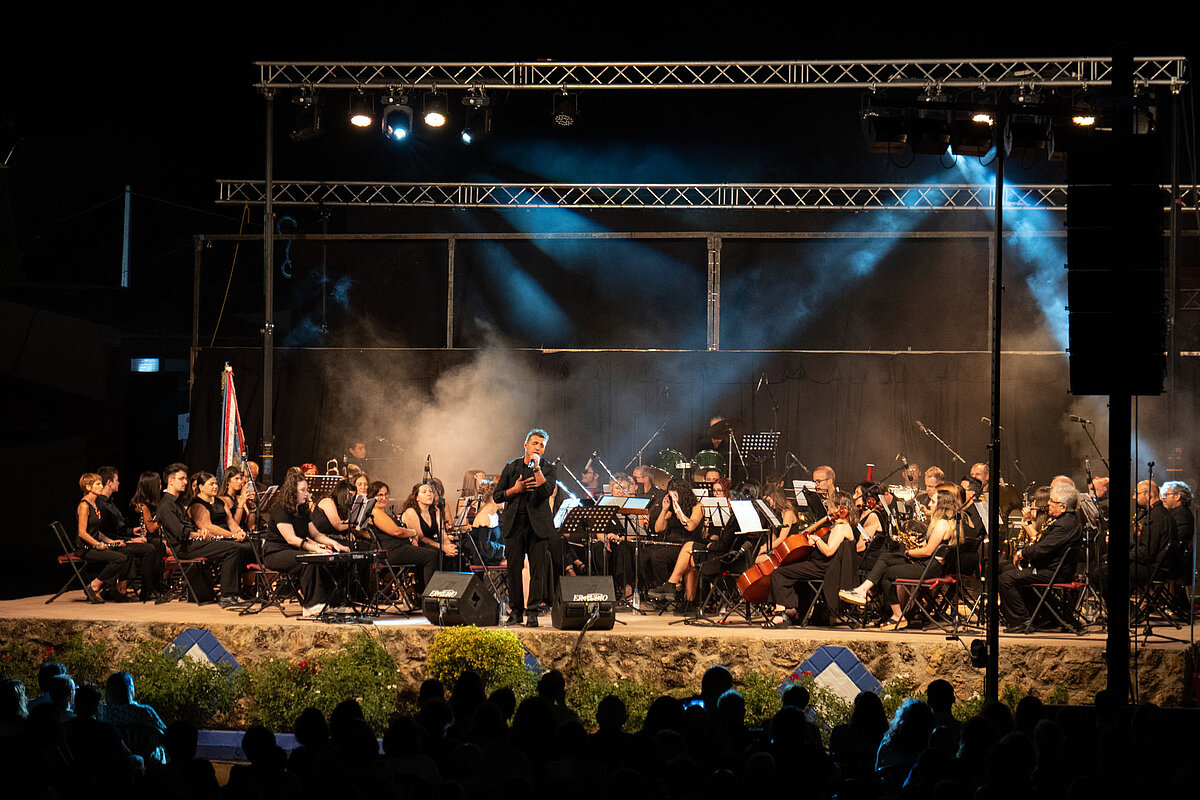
496,655
828,708
278,690
86,661
1059,695
1010,695
586,688
20,660
968,707
896,690
362,671
762,694
181,688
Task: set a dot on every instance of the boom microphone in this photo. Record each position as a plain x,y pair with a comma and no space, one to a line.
1079,419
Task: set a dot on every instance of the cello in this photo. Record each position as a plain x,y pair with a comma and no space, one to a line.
755,583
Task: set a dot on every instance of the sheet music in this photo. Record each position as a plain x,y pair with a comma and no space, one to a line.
799,488
717,510
747,516
568,504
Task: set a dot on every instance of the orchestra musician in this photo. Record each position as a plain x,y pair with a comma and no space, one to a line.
874,523
1154,530
237,495
676,519
97,549
485,524
146,557
291,532
911,562
685,568
785,579
422,512
1177,500
144,503
527,523
1035,562
231,552
331,516
400,542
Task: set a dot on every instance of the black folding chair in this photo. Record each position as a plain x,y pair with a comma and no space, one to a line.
932,597
1061,594
78,566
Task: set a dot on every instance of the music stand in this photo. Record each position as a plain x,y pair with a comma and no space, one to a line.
589,520
320,486
760,447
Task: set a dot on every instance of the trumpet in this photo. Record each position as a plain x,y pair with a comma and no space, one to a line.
331,467
909,539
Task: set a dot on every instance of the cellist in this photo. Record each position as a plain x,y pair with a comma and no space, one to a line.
843,516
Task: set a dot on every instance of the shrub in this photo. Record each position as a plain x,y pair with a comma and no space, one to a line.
181,688
586,688
496,655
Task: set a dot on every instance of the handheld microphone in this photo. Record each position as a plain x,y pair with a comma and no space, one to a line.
900,457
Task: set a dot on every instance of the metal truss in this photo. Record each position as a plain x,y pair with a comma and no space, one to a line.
723,196
911,74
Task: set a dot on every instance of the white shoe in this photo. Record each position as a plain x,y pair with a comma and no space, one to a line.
856,596
313,610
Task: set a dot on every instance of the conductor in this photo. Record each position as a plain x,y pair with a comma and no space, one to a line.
526,525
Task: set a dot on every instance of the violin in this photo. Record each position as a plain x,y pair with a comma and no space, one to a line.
755,583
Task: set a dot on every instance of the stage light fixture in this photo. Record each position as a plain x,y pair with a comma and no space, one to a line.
884,130
972,134
1084,120
434,109
566,109
309,124
929,128
361,108
396,119
478,113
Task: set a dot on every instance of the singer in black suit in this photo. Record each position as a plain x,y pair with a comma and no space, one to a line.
527,523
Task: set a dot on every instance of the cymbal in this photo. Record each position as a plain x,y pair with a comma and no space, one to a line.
660,478
732,427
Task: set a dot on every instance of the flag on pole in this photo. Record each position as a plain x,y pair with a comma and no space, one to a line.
233,441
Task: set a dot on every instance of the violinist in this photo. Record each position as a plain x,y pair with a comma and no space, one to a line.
911,562
788,515
785,579
874,523
1034,563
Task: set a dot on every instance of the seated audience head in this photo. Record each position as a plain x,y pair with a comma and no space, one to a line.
12,700
87,700
118,689
716,681
940,695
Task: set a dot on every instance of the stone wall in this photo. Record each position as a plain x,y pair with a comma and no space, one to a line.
671,660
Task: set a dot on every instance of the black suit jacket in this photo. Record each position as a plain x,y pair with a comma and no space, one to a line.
537,502
1063,532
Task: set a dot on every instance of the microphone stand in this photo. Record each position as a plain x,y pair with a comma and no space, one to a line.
940,441
1092,439
611,478
638,456
578,482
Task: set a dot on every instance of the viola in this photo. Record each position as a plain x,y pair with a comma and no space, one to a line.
755,583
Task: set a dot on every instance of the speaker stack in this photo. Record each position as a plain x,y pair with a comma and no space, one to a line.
579,598
459,598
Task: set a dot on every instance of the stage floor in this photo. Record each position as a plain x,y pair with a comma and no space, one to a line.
72,606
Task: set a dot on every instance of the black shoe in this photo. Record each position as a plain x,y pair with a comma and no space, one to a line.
1024,627
93,596
665,591
531,620
513,619
684,609
113,596
228,602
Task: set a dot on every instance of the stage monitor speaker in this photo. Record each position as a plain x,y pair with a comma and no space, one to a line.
459,598
578,598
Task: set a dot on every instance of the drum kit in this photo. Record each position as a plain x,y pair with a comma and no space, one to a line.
669,463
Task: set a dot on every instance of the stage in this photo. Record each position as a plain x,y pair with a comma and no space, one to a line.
646,648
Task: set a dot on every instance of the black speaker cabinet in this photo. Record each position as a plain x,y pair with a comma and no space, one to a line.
459,598
578,598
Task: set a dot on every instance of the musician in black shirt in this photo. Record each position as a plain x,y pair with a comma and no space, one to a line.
146,556
231,553
290,532
1035,563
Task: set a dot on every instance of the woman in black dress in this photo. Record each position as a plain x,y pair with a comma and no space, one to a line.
422,511
211,516
332,513
97,549
398,540
237,495
290,533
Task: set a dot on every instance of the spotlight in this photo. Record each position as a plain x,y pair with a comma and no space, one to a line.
434,109
1086,120
361,108
972,134
566,109
308,117
478,122
396,119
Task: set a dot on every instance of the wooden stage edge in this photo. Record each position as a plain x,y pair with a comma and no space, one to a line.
647,648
